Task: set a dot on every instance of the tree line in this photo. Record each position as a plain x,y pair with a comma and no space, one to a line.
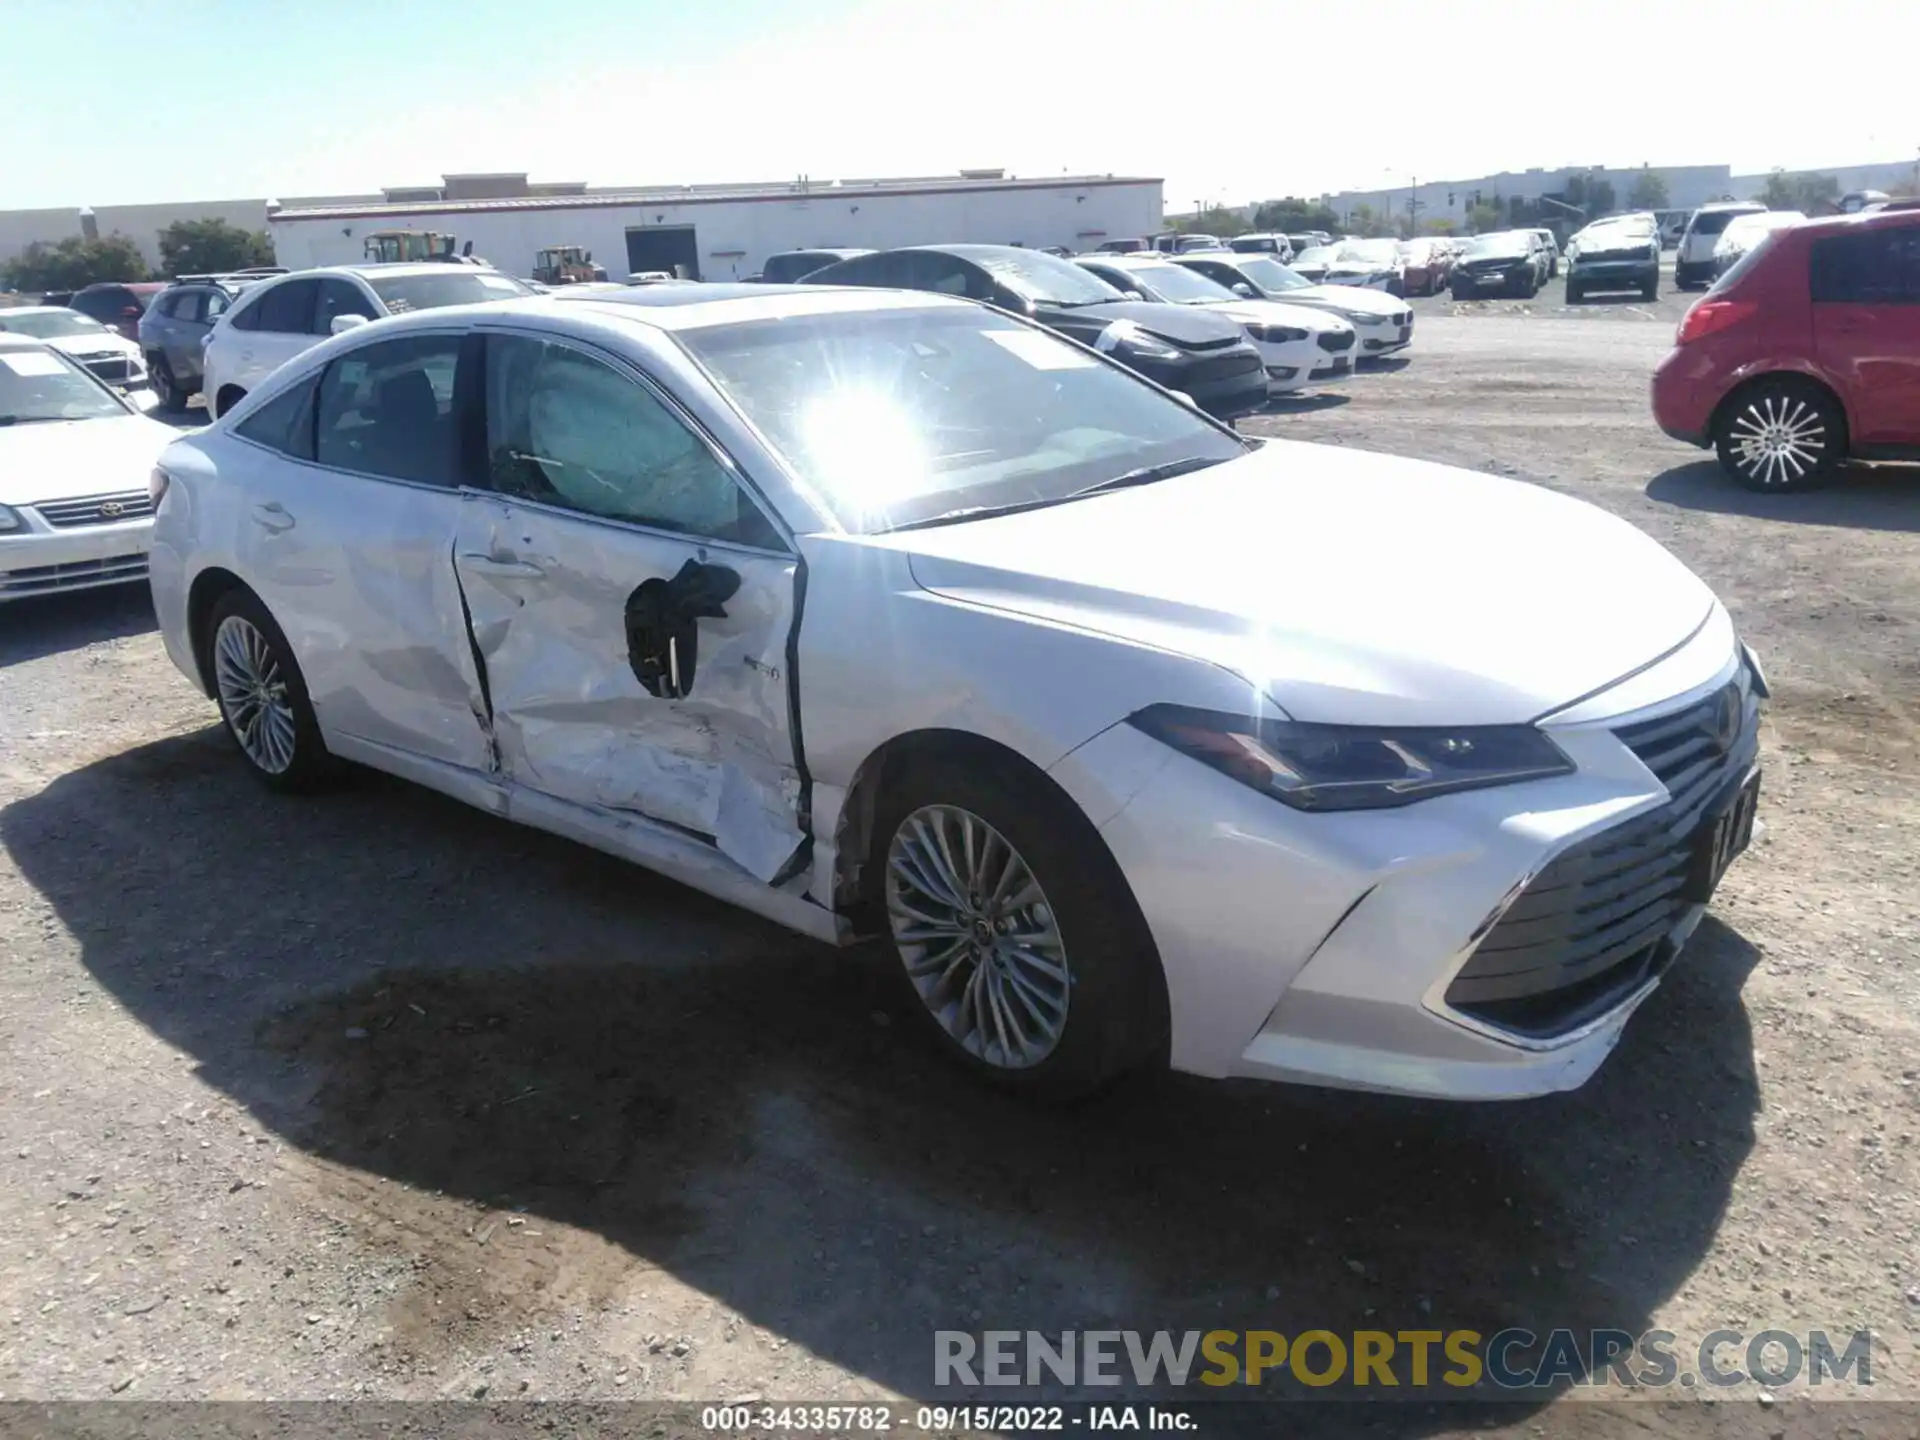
187,247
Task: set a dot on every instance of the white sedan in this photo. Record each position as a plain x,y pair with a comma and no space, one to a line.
107,353
1383,322
74,461
280,318
1298,345
885,613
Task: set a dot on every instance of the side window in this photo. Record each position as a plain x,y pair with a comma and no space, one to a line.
387,409
886,269
948,275
340,297
284,423
1225,274
190,305
247,316
216,305
1873,267
566,429
286,309
1119,279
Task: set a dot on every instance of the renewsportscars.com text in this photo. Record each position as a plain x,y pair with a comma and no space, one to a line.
1511,1359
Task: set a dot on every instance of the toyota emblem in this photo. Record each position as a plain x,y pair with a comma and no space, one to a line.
112,510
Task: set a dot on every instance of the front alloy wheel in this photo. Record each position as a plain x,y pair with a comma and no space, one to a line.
262,695
978,937
1781,435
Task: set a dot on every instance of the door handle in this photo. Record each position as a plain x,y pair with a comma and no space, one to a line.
504,569
272,517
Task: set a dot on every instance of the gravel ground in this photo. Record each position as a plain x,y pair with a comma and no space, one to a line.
375,1096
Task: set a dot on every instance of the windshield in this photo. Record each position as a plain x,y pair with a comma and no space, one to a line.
1315,255
1046,279
50,324
1625,233
1271,274
42,385
1178,284
1371,252
401,293
896,416
1506,242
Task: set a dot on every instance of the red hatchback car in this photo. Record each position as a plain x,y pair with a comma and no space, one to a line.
1806,352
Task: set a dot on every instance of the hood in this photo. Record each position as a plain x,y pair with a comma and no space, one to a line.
1355,588
91,347
1278,312
68,459
1185,325
1345,298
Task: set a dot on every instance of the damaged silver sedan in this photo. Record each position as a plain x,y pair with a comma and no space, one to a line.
885,613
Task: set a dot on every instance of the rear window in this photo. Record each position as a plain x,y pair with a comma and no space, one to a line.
1712,222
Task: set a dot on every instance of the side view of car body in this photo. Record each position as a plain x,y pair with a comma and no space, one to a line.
1203,356
1278,246
270,323
73,513
174,330
1615,254
1806,352
883,613
1693,262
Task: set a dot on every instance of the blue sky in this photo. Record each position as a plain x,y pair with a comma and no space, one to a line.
212,99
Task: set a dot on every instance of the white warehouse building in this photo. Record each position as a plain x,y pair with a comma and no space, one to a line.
725,232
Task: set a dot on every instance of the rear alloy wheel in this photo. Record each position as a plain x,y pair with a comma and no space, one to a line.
1780,435
262,695
165,390
1015,933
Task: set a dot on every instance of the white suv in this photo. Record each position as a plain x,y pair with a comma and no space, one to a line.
275,321
1693,266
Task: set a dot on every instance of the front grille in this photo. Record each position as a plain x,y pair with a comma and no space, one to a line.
1222,367
1334,341
1405,317
97,510
114,368
77,575
1593,925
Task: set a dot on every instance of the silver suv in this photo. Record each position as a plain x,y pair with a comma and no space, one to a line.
174,329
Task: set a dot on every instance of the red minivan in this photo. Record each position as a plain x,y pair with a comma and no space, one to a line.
1806,352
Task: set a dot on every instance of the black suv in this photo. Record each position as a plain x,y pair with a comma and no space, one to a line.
174,330
1202,355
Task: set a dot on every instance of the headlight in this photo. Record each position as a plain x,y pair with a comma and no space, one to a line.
1342,767
1275,334
10,520
1127,337
1360,319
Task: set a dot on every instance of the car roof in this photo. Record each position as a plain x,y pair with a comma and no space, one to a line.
1716,205
691,307
11,341
1135,261
1887,217
39,310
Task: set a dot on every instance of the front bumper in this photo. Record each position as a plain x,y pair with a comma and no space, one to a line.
1614,274
1226,384
1294,365
1324,948
1373,341
44,561
1488,282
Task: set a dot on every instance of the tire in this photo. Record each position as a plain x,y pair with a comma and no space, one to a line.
241,649
1780,434
1651,290
1084,922
165,388
1574,293
1457,292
